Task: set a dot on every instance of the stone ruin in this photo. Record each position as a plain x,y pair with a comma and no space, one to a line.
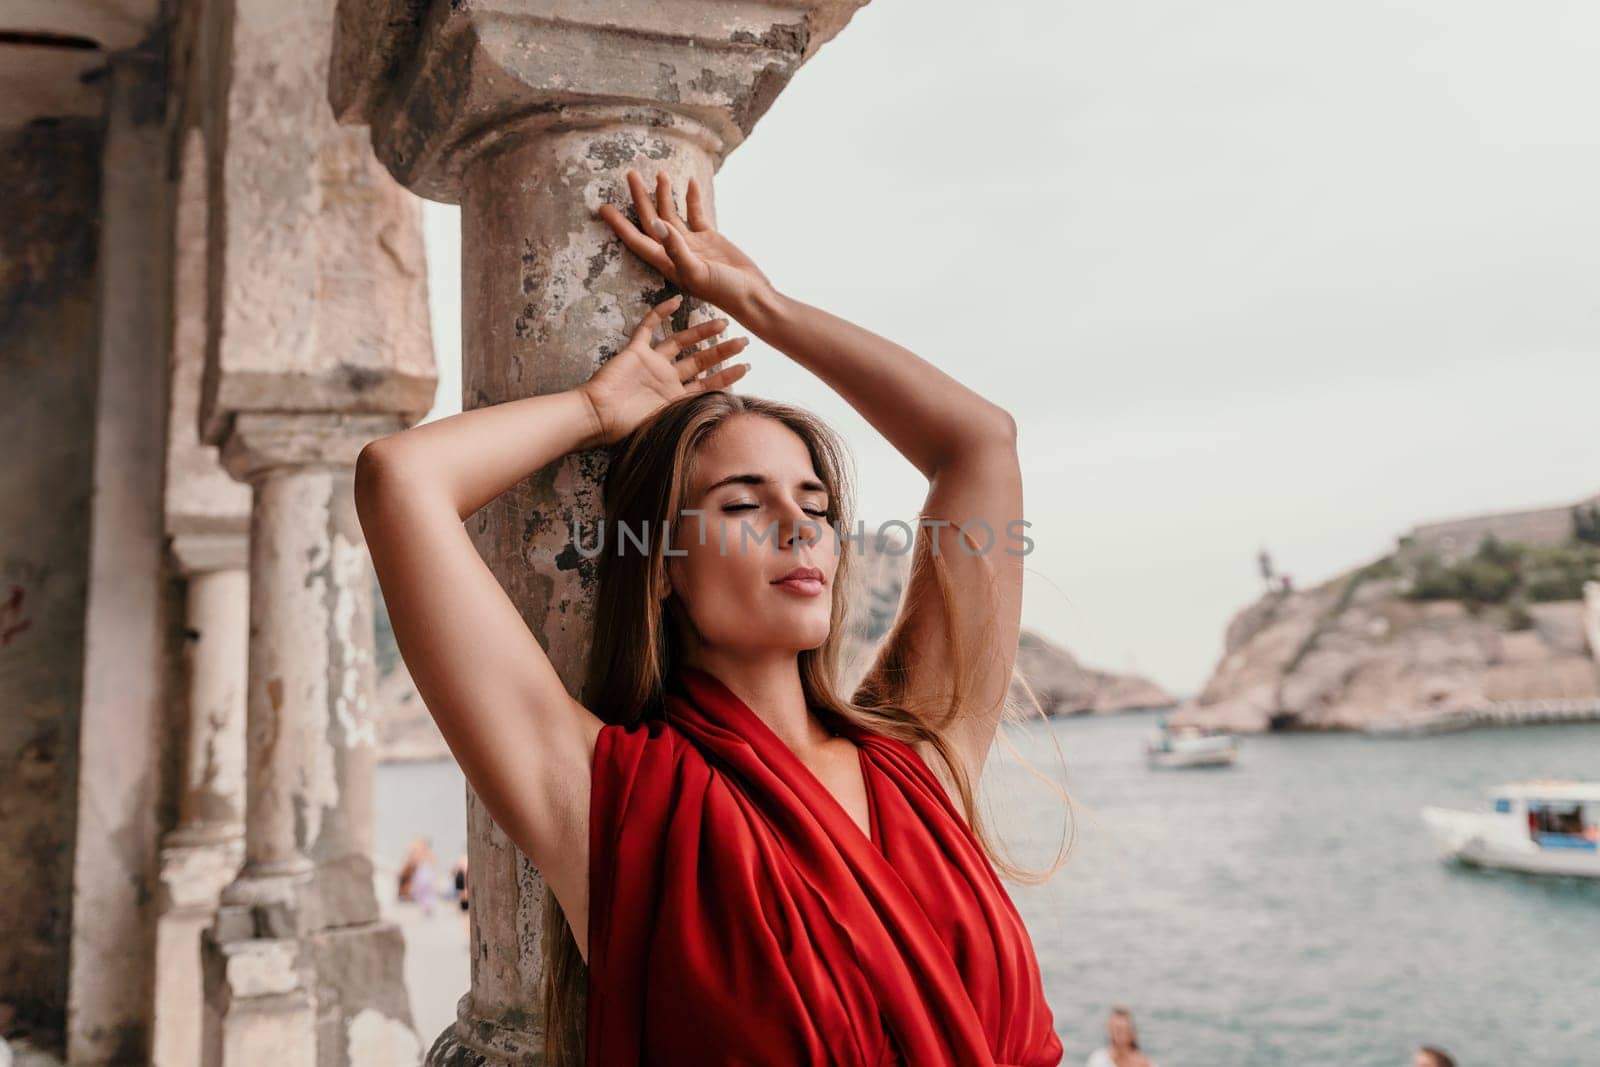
213,294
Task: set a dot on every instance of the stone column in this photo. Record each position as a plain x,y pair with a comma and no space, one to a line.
317,342
202,854
303,969
119,762
208,520
528,113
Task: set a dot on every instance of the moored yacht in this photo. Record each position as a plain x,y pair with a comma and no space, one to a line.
1547,826
1189,746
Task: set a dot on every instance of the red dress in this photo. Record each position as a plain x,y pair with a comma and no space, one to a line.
738,915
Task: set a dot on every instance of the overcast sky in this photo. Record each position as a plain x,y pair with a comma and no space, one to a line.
1248,274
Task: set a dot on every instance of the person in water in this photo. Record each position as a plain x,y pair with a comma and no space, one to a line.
1122,1043
795,875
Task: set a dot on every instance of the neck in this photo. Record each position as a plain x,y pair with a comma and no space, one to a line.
770,684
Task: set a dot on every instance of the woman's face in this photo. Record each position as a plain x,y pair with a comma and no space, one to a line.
764,515
1119,1030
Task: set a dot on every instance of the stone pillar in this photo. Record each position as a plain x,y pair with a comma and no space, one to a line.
203,853
528,113
119,771
208,520
317,342
305,971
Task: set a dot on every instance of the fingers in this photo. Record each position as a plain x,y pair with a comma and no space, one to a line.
646,249
671,236
720,380
691,366
669,252
671,345
646,329
665,208
698,220
641,202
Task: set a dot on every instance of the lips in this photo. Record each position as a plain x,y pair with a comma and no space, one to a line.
802,574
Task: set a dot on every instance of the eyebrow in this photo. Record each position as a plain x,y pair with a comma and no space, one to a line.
807,485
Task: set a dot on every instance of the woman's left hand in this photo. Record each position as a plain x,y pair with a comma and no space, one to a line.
692,255
647,374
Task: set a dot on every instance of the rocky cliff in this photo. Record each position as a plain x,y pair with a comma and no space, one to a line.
1358,651
1063,686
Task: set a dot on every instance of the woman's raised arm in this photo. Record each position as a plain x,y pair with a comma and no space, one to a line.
963,443
971,516
521,739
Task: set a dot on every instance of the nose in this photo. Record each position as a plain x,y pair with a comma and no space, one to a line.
796,524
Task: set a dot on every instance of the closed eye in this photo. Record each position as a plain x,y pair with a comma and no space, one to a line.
814,512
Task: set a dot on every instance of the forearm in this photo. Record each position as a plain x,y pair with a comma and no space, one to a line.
928,416
472,457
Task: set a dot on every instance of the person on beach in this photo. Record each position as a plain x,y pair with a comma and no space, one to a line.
425,878
1122,1043
796,874
459,874
408,870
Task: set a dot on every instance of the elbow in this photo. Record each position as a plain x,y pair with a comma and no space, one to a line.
1005,427
375,468
986,436
995,431
391,482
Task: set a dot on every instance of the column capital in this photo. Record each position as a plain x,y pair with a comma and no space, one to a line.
262,441
200,552
437,82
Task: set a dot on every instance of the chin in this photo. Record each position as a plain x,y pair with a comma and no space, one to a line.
821,637
804,637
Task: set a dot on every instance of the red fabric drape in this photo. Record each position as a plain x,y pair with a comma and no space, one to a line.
738,915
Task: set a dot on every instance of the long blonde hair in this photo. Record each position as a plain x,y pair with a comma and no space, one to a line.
637,643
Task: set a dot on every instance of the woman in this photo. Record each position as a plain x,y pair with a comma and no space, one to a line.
424,878
780,867
1122,1043
408,869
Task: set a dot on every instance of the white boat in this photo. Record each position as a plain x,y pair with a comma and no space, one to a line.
1548,826
1190,746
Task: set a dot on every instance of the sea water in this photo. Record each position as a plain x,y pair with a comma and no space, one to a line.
1289,909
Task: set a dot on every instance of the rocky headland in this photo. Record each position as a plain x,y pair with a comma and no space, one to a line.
1063,686
1451,625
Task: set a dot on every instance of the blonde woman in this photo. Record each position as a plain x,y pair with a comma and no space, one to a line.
1122,1043
747,865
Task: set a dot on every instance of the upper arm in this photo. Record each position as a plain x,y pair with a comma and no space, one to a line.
521,739
982,489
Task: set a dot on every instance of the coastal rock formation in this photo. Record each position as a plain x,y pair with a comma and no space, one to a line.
1354,652
1063,686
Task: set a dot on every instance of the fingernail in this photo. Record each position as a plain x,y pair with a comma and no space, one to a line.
661,229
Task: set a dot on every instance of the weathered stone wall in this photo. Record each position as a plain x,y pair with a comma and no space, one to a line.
1455,539
49,180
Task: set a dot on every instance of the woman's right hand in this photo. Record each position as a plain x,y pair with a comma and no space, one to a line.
691,254
644,376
